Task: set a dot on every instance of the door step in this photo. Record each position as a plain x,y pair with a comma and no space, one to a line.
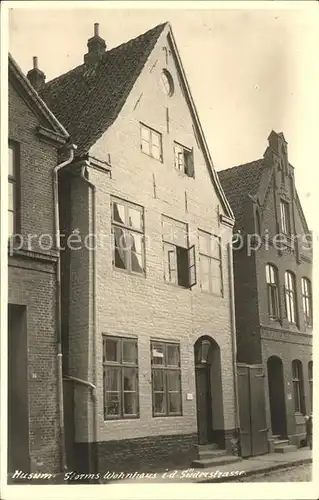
204,454
285,448
214,461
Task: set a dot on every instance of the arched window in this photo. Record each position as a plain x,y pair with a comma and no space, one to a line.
310,382
272,291
297,381
306,300
290,297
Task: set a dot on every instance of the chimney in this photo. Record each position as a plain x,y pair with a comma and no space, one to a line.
35,76
96,47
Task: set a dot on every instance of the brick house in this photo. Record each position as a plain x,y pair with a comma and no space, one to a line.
273,297
147,306
35,136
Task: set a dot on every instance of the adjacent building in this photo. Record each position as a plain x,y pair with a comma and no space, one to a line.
148,330
35,137
273,286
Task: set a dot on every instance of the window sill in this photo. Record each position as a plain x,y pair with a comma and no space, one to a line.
181,287
160,160
155,415
183,174
117,419
130,273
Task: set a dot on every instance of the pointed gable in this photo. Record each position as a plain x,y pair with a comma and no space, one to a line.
89,98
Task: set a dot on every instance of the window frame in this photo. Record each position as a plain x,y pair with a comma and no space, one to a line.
310,382
120,365
272,291
297,383
187,165
127,229
203,255
170,247
285,223
291,297
14,180
151,132
165,368
306,294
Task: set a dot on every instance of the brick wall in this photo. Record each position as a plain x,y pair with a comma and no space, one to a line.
32,282
146,306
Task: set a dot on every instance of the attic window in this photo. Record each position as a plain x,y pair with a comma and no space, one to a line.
184,160
167,83
151,142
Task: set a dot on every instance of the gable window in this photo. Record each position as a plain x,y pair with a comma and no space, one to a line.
210,263
13,189
166,379
120,377
290,297
306,300
151,142
285,217
272,291
297,382
184,160
128,236
179,259
310,375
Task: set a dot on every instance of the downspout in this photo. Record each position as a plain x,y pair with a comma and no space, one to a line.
94,313
233,332
63,464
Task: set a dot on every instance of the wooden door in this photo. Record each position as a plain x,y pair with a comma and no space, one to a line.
204,406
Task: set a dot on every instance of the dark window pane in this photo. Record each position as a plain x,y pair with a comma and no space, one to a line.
130,403
111,349
173,380
158,354
159,403
112,379
129,379
113,403
172,355
129,351
158,380
174,403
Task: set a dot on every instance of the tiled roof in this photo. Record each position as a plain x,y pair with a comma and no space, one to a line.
89,98
239,182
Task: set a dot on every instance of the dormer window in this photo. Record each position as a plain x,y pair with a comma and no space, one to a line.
285,217
184,160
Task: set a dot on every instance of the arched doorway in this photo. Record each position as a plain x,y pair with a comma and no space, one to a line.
277,396
209,399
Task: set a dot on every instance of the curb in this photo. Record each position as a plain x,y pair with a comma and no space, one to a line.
261,470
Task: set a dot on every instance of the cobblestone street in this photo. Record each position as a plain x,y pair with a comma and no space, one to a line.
299,473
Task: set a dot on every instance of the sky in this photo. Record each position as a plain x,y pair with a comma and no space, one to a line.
249,70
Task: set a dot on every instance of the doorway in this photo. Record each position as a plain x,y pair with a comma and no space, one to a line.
209,400
277,396
18,407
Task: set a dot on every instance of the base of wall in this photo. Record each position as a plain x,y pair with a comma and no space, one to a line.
227,439
147,454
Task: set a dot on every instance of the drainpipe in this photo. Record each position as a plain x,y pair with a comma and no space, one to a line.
63,464
94,314
233,331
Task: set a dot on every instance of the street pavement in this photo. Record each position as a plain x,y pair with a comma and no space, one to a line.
293,474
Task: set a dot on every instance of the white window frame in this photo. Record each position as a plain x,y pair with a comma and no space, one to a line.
149,146
210,257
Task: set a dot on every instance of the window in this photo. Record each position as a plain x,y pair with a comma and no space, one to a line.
128,236
167,83
184,161
210,263
120,377
166,379
290,297
297,382
272,291
310,375
13,189
285,217
151,142
179,260
306,300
